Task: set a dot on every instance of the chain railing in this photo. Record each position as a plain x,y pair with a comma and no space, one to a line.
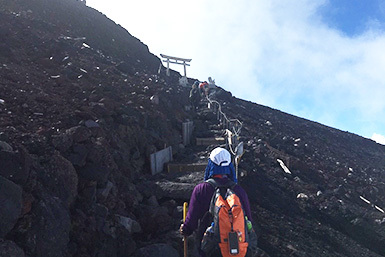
234,125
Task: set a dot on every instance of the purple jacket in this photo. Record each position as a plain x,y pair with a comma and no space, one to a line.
200,203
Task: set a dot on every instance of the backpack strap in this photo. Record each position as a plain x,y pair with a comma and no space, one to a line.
219,189
215,184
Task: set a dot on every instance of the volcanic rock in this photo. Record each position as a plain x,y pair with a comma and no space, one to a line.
11,203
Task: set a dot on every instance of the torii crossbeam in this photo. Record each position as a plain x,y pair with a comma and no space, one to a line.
176,60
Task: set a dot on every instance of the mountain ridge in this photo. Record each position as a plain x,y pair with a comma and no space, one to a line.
78,127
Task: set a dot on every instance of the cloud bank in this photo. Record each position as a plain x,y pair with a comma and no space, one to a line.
378,138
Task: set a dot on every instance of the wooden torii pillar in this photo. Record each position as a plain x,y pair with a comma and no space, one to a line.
176,60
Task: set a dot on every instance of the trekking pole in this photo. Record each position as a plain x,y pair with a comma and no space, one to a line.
184,237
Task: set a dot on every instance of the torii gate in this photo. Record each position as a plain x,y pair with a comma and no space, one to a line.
176,60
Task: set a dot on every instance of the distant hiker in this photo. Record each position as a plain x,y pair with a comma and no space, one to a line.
203,87
194,95
220,185
211,81
207,89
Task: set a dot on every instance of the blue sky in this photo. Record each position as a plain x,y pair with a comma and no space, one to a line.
320,60
352,17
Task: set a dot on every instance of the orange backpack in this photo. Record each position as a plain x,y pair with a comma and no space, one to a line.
229,228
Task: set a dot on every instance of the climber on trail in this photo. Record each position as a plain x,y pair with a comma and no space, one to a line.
212,202
194,95
203,88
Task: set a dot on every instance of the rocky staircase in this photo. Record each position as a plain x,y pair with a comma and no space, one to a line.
187,168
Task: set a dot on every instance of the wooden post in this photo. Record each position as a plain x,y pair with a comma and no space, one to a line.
168,67
184,66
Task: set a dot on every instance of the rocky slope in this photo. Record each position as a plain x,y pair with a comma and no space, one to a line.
77,127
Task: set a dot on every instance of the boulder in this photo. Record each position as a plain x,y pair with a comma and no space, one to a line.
152,219
5,147
130,194
78,134
132,226
91,124
62,142
50,228
146,188
99,153
174,190
94,172
99,163
99,109
94,127
87,193
105,191
60,178
15,165
78,155
10,248
126,246
11,205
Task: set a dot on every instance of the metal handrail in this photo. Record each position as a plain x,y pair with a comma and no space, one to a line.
236,129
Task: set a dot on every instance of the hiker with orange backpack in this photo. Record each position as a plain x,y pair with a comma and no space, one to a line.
221,208
203,88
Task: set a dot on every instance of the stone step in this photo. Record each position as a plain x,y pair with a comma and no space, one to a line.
172,167
210,141
217,131
209,134
216,127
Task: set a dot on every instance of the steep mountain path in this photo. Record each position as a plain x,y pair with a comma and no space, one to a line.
334,224
210,131
208,134
77,127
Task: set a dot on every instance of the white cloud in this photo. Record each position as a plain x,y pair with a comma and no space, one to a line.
378,138
277,53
